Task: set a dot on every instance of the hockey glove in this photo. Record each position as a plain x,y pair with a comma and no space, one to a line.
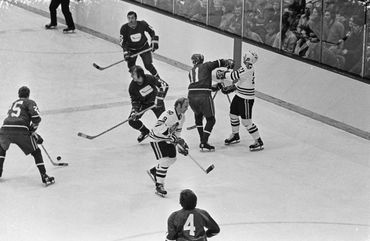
182,147
126,55
228,89
230,64
39,140
155,43
216,87
220,74
33,127
134,115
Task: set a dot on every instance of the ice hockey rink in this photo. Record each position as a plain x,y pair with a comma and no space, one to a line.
311,183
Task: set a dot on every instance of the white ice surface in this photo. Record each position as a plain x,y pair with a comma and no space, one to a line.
311,183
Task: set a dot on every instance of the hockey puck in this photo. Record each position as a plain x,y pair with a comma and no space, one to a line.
59,158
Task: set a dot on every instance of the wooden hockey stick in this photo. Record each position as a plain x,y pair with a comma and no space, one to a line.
123,122
195,126
206,171
134,55
51,160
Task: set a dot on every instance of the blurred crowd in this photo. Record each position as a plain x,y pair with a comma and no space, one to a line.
327,31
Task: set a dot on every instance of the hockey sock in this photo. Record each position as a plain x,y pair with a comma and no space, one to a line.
39,161
211,121
136,124
235,123
144,129
253,130
161,173
199,124
2,159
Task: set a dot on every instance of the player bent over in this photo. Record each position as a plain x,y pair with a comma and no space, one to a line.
19,128
145,90
242,103
166,135
188,224
200,98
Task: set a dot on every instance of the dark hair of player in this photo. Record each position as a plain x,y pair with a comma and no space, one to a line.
132,13
24,92
197,58
188,199
138,70
180,101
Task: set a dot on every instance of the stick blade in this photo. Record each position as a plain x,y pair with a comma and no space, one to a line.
210,168
85,136
97,66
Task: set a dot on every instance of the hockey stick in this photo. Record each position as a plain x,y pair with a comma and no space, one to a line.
134,55
208,170
123,122
195,126
51,160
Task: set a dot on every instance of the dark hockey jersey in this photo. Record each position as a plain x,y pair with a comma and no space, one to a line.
144,94
134,39
190,224
201,75
21,113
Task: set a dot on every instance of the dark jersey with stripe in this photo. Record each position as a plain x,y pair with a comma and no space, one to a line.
201,74
134,39
21,113
145,93
190,225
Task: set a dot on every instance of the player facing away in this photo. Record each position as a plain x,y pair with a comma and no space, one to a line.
19,128
242,103
189,223
145,90
200,98
166,136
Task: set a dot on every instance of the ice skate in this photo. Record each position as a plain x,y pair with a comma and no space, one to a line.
152,174
142,136
206,147
50,26
233,139
47,180
159,190
257,146
69,30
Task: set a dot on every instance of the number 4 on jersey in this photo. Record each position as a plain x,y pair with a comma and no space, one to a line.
189,225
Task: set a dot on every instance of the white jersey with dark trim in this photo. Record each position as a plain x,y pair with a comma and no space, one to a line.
244,81
168,123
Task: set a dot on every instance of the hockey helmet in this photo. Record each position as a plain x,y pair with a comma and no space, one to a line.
250,57
197,58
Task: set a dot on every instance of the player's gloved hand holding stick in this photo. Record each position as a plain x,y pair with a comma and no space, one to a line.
126,57
123,122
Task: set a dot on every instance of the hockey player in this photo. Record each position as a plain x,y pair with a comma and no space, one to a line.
133,40
145,90
200,98
242,103
19,128
166,135
189,223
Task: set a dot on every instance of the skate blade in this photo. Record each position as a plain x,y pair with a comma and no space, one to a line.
207,150
143,139
69,32
151,176
257,149
234,142
49,183
160,194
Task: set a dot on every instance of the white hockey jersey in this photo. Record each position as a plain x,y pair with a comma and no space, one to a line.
243,78
168,123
